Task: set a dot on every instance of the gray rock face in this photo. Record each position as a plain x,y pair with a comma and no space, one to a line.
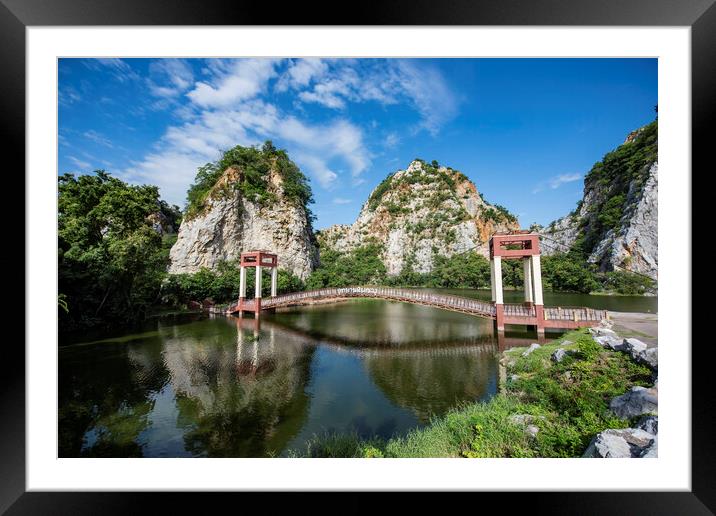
559,355
650,358
527,421
414,215
633,245
620,443
649,424
232,224
634,347
529,350
636,402
613,343
599,331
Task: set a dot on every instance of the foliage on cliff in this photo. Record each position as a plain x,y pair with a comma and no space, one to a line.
611,178
447,180
255,165
111,257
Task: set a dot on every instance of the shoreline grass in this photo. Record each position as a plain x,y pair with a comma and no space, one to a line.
567,402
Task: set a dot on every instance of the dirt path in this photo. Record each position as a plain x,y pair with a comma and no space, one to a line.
641,326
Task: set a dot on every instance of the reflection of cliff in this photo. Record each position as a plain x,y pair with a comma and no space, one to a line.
243,399
431,381
104,403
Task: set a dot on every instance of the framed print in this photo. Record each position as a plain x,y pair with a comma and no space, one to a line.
430,238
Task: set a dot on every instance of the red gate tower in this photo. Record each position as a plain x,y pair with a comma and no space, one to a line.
256,259
522,245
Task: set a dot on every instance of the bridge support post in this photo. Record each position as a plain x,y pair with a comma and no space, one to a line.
257,291
242,288
527,268
497,294
274,281
537,282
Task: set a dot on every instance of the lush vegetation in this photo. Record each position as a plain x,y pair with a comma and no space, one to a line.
361,267
561,272
111,253
568,402
254,165
626,165
221,285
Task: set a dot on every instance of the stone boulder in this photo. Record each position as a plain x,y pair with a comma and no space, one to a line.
529,350
649,358
559,355
649,424
620,443
599,331
609,342
527,421
636,402
634,347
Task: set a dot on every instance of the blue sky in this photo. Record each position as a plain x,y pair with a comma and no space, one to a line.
524,130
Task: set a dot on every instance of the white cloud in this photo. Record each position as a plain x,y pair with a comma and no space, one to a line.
120,69
169,77
185,147
241,80
82,165
341,200
429,92
385,82
97,138
555,182
301,72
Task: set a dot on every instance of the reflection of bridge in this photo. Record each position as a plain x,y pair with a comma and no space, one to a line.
521,245
554,317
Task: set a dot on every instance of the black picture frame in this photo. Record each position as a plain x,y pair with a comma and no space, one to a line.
16,15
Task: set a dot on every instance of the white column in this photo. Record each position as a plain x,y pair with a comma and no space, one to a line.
257,293
242,282
492,278
537,279
498,280
527,266
274,281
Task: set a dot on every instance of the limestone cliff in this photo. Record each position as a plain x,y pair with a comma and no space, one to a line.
418,213
616,223
230,222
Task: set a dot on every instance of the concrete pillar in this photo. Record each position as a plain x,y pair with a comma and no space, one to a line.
527,266
497,281
492,278
257,293
242,283
537,286
274,281
537,279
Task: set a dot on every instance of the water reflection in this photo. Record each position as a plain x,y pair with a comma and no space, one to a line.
245,387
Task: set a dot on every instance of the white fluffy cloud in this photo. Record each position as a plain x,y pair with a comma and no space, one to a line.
240,80
555,182
232,104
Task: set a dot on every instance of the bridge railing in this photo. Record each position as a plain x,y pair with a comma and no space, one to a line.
409,295
570,313
514,310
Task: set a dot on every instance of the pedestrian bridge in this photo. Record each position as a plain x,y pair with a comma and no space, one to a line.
523,314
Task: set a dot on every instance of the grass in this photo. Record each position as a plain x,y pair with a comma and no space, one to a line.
568,402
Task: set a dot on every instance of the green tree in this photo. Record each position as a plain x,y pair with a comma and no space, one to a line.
110,258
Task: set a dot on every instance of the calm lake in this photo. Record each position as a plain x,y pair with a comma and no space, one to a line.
194,385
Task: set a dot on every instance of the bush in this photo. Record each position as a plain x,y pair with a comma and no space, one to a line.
254,165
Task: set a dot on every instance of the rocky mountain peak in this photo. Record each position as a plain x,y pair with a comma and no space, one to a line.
418,213
241,203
